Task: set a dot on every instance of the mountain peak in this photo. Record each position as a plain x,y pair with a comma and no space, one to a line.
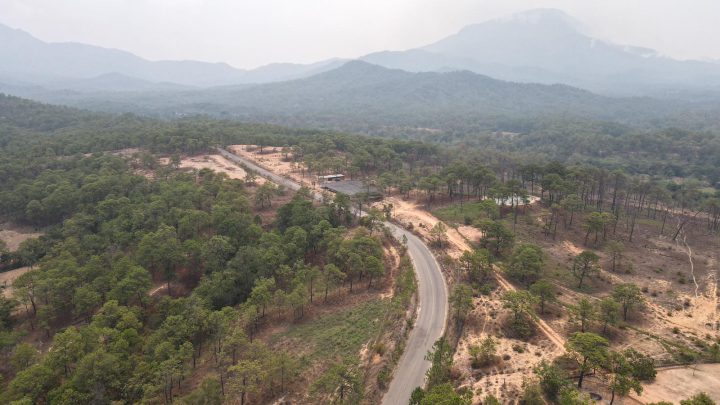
546,19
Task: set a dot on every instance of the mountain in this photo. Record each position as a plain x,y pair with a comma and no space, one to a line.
359,96
28,60
548,46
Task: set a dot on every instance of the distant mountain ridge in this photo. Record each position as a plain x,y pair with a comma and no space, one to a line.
548,46
537,46
362,97
24,58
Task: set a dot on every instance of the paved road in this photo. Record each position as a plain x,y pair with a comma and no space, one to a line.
433,301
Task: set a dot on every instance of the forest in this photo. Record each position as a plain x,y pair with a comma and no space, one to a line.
146,276
117,228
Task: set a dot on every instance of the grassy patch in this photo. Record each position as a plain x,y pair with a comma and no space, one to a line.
456,213
336,336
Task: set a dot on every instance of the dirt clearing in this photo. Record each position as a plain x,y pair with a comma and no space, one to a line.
13,236
675,384
216,163
8,277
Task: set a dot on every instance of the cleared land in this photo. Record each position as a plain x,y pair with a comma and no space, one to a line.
8,277
676,383
13,236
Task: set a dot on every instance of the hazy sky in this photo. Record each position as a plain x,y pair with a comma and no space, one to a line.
248,33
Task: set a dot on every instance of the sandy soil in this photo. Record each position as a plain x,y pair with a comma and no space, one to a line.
675,384
216,163
411,212
272,159
7,278
515,359
13,236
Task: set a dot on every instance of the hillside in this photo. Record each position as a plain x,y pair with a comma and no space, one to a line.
363,97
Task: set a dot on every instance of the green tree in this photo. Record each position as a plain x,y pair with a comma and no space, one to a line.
441,357
545,293
589,351
161,251
101,374
615,250
532,393
67,348
32,383
246,377
332,277
132,288
520,303
608,310
476,265
595,222
698,399
584,313
552,379
461,301
23,356
343,383
642,366
629,296
284,368
572,204
264,195
216,252
7,306
586,264
571,396
438,235
483,353
526,264
85,301
620,376
496,236
374,268
441,394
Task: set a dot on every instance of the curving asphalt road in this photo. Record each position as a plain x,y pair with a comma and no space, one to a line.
432,294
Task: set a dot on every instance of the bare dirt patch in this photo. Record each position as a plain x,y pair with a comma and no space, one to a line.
216,163
675,384
515,359
412,212
271,158
8,277
13,235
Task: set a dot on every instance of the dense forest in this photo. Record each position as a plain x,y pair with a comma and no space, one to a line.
114,237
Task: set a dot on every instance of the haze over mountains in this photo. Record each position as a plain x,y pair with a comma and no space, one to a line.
548,46
540,46
483,77
27,60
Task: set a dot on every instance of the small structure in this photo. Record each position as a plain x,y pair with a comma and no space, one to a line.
331,177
